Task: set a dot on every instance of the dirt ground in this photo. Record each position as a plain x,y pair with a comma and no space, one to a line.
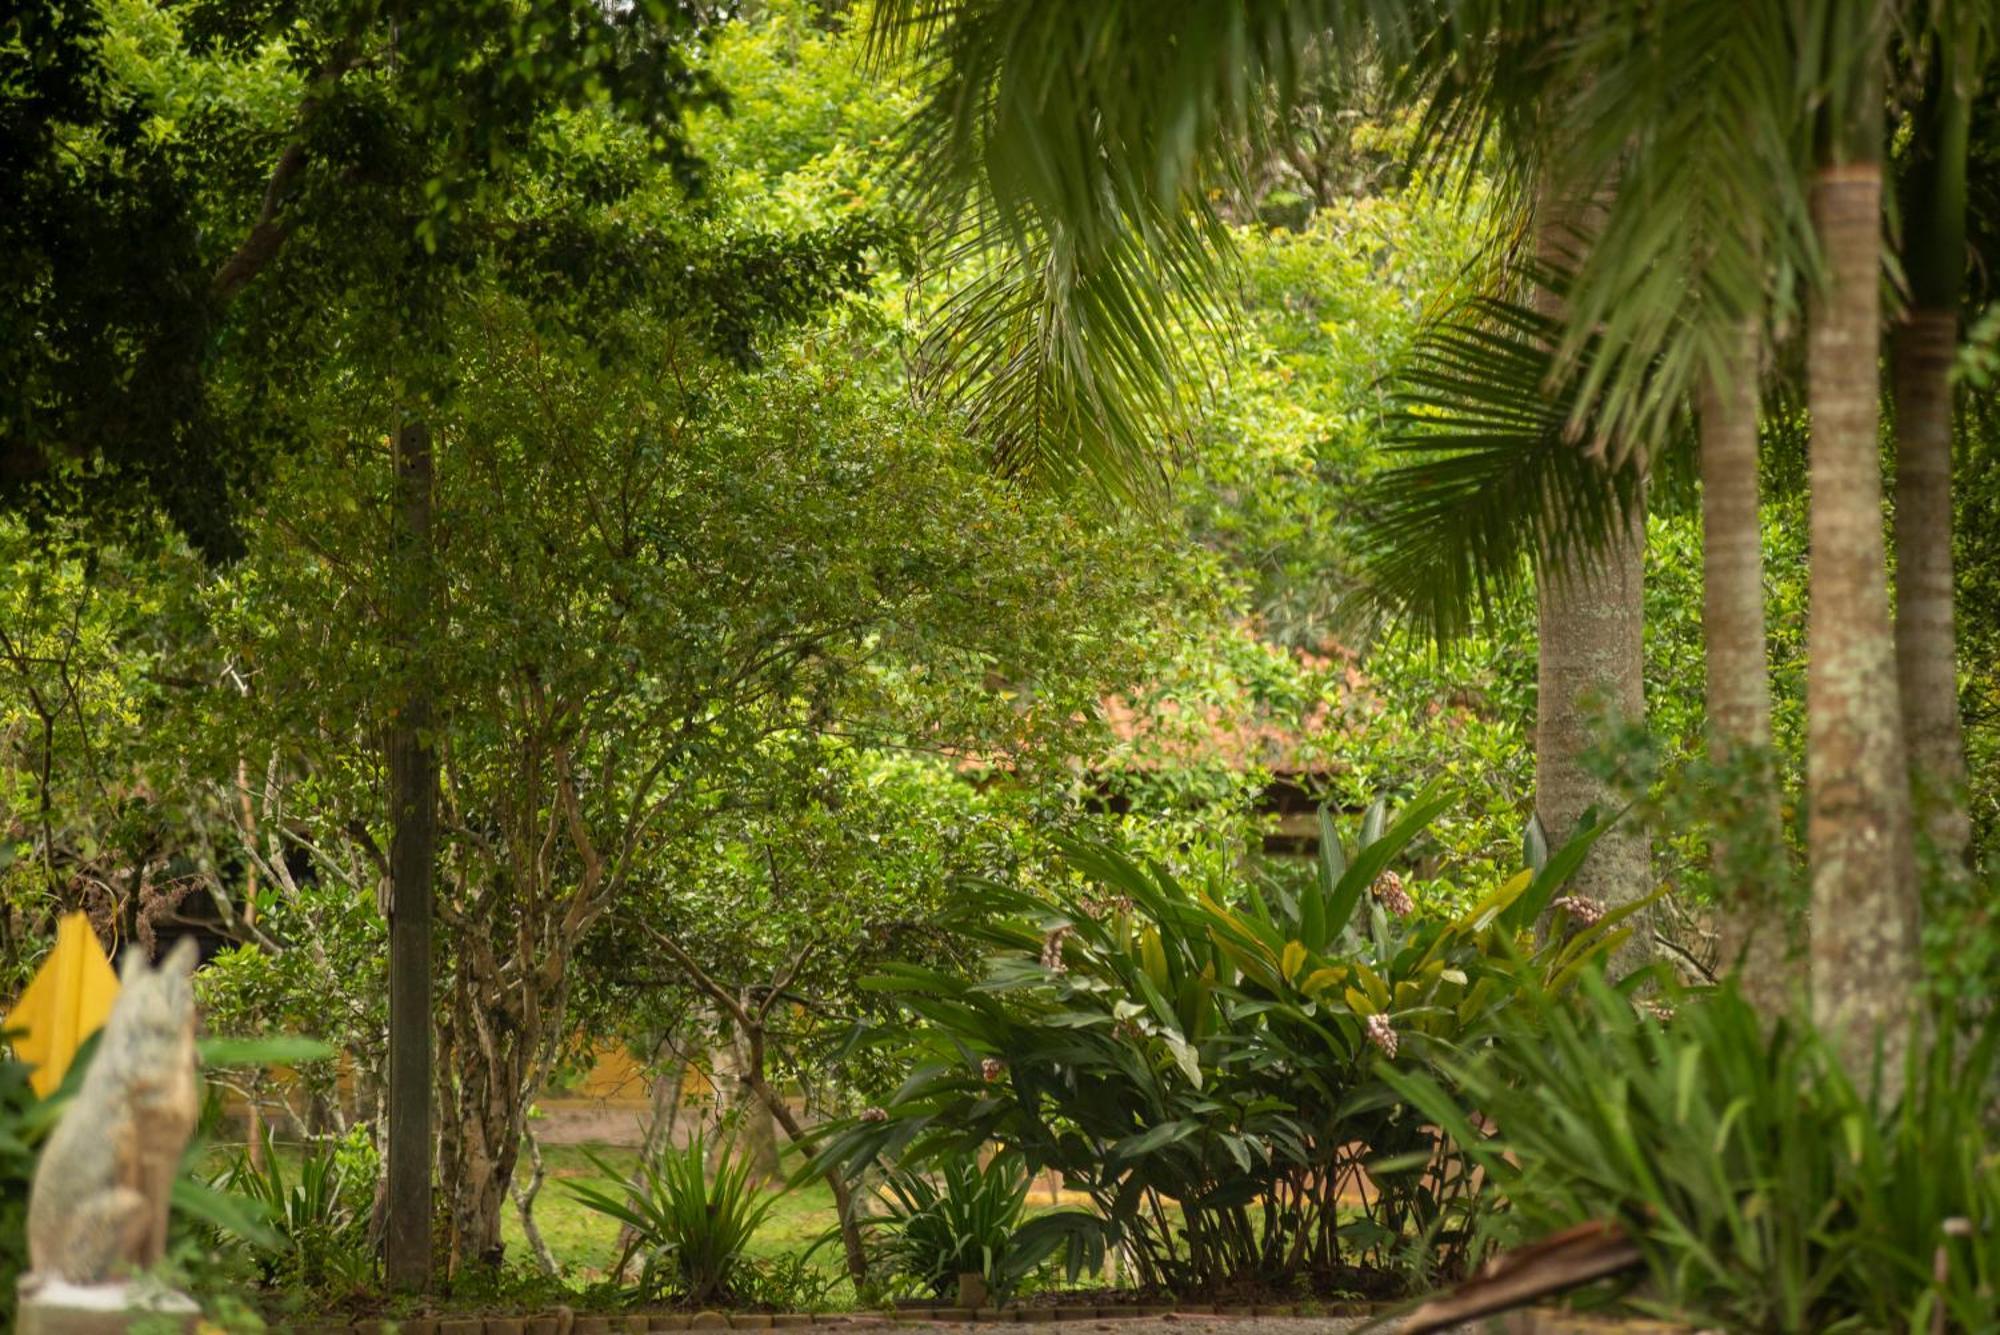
1178,1324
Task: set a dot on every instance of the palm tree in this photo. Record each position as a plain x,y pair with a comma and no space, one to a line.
1672,122
1682,259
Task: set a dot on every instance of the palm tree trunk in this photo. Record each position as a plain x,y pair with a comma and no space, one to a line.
1591,664
1591,612
1934,205
1864,913
1748,858
1926,644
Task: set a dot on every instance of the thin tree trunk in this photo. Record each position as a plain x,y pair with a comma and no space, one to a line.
1926,642
665,1098
843,1198
755,1136
524,1203
1748,855
750,1024
1864,912
249,810
491,1052
254,1121
413,780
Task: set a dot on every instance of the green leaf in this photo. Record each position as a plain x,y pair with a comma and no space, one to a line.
277,1050
1534,843
1554,873
231,1213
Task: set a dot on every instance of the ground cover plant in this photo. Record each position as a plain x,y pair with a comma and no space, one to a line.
316,1206
964,1220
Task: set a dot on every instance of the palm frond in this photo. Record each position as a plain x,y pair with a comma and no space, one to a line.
1082,110
1073,365
1686,130
1075,152
1673,131
1499,479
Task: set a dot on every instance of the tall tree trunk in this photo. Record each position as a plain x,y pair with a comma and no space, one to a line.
1748,857
1591,650
1864,913
1934,197
413,779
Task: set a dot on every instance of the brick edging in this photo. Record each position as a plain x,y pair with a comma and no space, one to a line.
1537,1321
642,1323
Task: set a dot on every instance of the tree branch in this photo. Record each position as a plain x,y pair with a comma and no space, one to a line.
267,235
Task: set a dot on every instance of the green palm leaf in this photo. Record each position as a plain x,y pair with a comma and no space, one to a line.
1073,153
1499,475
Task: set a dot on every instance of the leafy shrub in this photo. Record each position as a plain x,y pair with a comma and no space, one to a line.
962,1220
1202,1062
21,1129
689,1231
1765,1191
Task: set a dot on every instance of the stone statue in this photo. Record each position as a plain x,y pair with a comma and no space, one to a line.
97,1214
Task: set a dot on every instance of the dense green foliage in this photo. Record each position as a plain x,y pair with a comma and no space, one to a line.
1201,1059
21,1128
1765,1191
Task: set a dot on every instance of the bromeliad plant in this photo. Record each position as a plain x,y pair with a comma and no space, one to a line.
961,1219
1202,1060
317,1213
689,1229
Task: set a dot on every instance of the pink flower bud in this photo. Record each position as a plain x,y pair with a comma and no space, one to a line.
1585,911
1389,892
